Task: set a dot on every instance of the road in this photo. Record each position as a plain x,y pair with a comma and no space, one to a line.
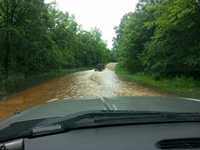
81,84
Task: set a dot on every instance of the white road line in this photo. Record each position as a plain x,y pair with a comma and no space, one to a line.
191,99
105,103
109,106
114,107
103,100
52,100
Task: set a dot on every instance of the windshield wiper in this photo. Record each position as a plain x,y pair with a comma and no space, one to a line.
91,119
110,118
20,129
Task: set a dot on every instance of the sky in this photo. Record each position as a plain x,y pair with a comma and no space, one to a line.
103,14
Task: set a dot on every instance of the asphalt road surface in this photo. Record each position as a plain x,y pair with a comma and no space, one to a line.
78,85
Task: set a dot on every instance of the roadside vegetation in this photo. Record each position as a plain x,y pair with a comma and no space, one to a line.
159,45
179,86
38,40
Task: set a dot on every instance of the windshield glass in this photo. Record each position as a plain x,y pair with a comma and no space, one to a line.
60,50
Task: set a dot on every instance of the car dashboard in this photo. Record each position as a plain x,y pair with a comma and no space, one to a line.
127,137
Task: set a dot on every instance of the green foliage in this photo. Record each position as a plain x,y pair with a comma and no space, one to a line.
181,86
38,38
162,38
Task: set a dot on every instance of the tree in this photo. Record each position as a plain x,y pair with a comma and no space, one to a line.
161,37
175,44
23,31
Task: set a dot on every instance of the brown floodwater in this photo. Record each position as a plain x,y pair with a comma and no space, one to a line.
77,85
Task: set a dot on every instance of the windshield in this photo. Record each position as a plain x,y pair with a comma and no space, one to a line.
53,51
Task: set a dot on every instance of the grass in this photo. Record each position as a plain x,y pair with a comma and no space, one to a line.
180,86
18,83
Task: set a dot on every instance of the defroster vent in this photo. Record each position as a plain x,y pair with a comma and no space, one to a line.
187,143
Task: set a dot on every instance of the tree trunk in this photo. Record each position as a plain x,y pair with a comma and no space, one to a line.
7,54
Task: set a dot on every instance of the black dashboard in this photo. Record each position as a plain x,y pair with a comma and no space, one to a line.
132,137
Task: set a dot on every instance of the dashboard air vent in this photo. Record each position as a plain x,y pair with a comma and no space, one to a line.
188,143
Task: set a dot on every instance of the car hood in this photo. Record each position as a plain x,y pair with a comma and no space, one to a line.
66,107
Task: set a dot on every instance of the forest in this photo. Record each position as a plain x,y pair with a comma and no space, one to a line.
161,38
37,38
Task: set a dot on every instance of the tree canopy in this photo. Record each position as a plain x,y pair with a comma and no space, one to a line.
37,38
162,37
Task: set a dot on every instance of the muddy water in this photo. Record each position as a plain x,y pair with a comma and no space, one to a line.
81,84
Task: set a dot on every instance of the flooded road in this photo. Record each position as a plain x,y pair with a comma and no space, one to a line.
77,85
